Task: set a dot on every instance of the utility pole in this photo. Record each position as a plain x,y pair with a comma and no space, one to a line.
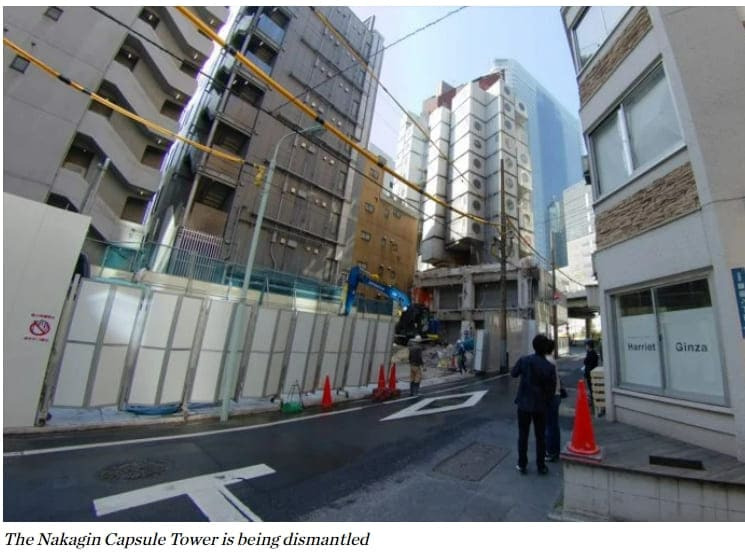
554,312
504,356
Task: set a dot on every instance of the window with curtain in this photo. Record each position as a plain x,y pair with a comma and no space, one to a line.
639,132
668,342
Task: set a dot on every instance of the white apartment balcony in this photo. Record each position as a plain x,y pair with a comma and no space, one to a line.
214,16
136,95
163,65
191,40
136,174
73,185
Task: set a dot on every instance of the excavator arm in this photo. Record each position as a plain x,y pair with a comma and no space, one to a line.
358,276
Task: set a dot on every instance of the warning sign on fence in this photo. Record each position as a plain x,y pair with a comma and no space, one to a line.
39,328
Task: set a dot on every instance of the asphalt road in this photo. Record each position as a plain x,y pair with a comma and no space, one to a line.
443,463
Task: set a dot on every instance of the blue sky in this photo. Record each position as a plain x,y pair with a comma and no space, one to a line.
461,48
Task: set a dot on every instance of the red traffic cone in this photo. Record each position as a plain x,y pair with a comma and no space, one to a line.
392,382
381,377
583,438
326,402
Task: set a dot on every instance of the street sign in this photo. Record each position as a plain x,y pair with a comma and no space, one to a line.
738,276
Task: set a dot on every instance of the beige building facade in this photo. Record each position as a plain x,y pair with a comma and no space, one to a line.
663,115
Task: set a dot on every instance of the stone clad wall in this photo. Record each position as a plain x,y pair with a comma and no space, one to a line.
602,70
667,198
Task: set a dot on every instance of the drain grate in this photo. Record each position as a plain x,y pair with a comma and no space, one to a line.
133,470
473,462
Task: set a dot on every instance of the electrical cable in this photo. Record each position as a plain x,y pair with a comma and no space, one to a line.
278,87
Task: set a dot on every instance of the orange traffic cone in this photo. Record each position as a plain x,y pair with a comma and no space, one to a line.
381,377
392,382
583,438
326,402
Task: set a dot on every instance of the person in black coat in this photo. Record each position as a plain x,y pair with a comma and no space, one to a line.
534,393
592,360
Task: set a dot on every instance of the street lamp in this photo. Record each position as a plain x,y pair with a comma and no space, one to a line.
236,331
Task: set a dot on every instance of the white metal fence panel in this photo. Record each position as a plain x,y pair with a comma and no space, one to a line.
297,363
358,352
332,349
278,352
260,352
315,375
73,376
382,348
205,386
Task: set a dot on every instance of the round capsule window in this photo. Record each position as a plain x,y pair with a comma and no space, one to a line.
508,124
477,183
476,163
524,158
476,228
521,106
476,205
477,126
477,143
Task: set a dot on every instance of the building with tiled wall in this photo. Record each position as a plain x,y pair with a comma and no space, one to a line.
663,113
386,242
208,206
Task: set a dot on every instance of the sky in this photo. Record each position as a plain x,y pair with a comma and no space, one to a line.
461,48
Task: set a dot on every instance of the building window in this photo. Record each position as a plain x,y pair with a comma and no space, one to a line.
374,174
246,91
477,144
476,163
149,17
369,207
53,12
365,236
19,64
230,139
668,344
78,159
641,130
593,29
477,126
476,183
127,57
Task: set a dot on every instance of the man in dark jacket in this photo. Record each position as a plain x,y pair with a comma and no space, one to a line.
537,386
415,363
591,362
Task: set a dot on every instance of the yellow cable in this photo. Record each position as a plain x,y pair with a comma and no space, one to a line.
207,30
123,111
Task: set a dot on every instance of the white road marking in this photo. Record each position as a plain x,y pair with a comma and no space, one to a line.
208,492
420,408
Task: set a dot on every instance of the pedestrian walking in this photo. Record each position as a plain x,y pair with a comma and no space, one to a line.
534,393
415,364
592,360
553,433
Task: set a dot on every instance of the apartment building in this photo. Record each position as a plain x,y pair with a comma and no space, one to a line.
386,240
63,149
208,205
663,115
555,150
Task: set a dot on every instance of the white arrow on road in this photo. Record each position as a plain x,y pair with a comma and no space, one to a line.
208,492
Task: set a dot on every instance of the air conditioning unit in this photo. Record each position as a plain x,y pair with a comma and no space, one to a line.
523,156
525,179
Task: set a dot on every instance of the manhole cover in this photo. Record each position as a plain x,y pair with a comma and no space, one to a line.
133,470
473,462
447,402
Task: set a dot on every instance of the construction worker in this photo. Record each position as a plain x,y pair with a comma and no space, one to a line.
415,364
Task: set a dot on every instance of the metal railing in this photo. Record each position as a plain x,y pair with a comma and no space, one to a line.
131,257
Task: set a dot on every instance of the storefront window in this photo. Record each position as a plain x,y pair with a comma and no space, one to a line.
668,342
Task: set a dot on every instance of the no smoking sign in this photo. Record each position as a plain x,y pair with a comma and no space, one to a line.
40,327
